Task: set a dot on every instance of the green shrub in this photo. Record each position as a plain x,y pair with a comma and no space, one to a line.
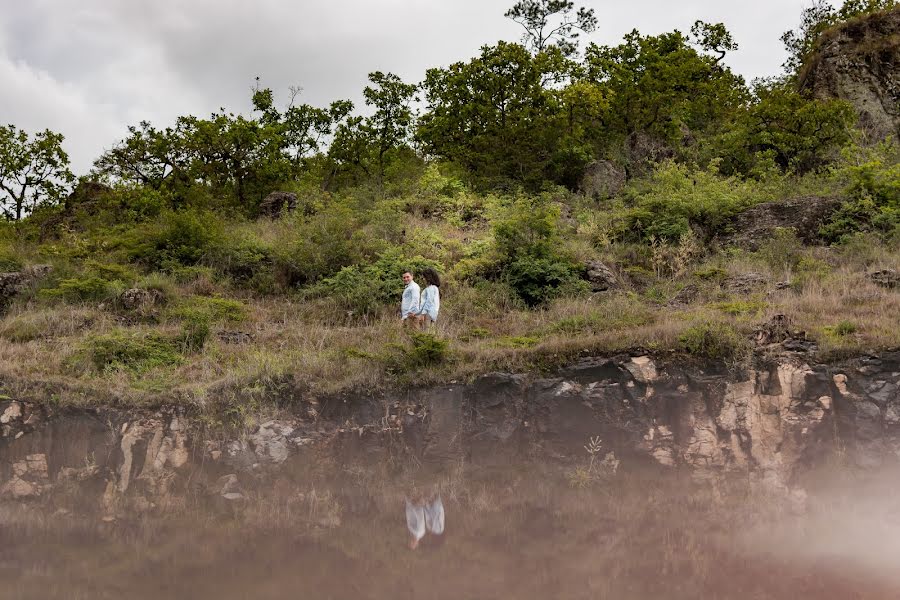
85,289
741,307
194,335
676,197
714,340
133,352
209,310
842,329
111,271
538,280
711,273
322,245
177,239
873,177
427,349
366,289
241,258
423,350
9,260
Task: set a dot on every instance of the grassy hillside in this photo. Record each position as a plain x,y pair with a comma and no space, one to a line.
236,312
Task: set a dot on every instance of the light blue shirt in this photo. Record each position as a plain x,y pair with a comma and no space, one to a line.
411,299
431,302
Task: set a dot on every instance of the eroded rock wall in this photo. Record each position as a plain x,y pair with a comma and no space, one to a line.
766,425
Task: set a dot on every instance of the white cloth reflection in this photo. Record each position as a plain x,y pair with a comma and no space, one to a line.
422,517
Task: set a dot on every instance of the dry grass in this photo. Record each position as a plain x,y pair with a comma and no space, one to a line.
316,344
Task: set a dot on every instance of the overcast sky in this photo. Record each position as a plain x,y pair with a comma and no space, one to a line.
89,68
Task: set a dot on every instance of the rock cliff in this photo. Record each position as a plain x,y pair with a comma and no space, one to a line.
859,61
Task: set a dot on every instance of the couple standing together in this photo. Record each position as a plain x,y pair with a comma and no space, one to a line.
419,308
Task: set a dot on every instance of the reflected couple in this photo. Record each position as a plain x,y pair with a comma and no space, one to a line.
424,515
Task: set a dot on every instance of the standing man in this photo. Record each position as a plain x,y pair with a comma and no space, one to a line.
409,304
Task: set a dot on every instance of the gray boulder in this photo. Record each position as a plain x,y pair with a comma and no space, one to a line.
277,204
602,179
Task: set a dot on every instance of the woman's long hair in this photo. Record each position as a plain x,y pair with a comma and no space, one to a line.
431,277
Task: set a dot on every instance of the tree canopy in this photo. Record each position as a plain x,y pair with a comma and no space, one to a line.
34,171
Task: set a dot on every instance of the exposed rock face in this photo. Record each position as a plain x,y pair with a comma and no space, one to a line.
860,62
753,227
13,283
764,426
278,203
141,299
602,179
745,283
600,276
887,278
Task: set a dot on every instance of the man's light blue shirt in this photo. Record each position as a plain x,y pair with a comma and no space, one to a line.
410,301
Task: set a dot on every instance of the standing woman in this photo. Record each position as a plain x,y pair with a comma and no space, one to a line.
431,298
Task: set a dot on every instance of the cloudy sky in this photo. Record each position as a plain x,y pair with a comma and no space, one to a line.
89,68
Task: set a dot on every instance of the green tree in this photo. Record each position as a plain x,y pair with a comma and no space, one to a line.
782,127
235,154
33,171
495,117
148,156
661,86
389,126
713,37
366,146
527,238
304,129
552,23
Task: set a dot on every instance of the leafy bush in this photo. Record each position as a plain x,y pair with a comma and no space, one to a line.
178,239
366,289
9,260
842,329
426,350
84,289
210,310
784,131
133,352
711,274
538,280
874,188
676,197
714,340
194,335
321,246
527,240
241,257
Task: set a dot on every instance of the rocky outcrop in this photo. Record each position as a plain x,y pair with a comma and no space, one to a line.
859,61
766,425
11,284
755,226
601,277
602,179
278,203
141,299
886,278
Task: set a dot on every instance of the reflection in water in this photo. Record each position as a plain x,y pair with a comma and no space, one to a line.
521,531
422,516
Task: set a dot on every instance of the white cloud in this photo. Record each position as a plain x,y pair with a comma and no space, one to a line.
89,68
